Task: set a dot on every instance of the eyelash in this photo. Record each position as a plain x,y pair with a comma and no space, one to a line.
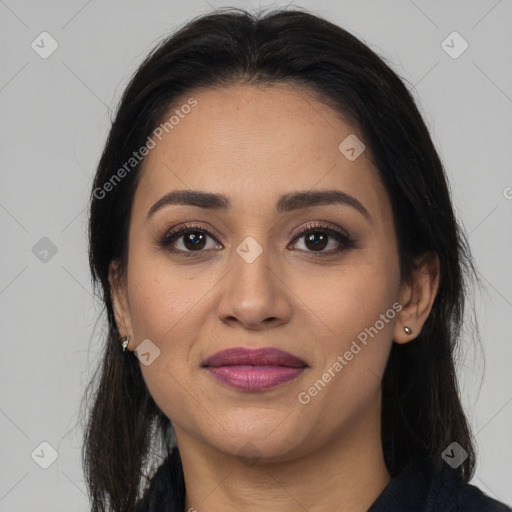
345,241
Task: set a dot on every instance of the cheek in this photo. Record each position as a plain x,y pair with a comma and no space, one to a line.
348,298
161,296
168,306
162,310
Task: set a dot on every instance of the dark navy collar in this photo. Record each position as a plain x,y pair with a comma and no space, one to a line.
417,488
420,487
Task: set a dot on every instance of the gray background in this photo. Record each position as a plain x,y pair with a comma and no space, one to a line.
55,116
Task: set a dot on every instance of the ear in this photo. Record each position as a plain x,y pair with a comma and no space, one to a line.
118,291
417,297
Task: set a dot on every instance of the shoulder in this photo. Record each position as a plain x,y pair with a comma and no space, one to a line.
462,496
422,488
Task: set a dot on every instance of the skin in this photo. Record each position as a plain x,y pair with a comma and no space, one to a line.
265,450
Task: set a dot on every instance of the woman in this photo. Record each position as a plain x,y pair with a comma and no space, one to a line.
284,280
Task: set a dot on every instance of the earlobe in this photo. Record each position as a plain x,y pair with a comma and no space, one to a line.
120,301
417,297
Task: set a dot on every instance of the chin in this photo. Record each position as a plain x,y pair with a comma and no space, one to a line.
255,445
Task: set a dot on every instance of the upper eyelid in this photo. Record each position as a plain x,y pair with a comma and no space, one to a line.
312,225
188,226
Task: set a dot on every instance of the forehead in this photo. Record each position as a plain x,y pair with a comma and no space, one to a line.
255,144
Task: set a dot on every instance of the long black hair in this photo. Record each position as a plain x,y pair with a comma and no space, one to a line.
421,407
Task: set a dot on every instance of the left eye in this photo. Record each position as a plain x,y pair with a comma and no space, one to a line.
317,238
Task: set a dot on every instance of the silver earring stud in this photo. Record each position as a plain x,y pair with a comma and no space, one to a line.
125,342
407,330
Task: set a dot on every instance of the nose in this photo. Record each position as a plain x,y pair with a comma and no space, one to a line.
254,293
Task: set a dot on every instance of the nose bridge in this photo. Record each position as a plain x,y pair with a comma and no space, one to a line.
251,292
251,271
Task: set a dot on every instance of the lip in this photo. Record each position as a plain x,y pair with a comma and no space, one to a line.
254,369
264,356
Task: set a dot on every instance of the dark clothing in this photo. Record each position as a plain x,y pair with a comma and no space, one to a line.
415,489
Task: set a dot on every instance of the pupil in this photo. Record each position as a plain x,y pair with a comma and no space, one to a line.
312,244
194,240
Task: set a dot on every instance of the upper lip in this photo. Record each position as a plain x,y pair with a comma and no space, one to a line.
264,356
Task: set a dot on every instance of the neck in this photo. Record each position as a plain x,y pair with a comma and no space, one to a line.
347,473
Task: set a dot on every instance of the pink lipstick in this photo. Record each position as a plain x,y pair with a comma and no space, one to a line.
254,369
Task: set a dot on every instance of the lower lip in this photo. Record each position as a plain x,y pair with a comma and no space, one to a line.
254,378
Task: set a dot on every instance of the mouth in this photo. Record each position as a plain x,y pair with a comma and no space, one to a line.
254,369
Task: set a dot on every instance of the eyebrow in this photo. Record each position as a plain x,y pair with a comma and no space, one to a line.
286,203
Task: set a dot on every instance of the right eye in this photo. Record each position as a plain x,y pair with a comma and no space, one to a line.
192,238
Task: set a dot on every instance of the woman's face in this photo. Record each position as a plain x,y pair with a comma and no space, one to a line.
260,277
